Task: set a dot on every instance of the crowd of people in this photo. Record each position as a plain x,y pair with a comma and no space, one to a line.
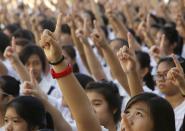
103,65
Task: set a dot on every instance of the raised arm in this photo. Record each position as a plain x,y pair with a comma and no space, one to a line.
12,56
110,57
176,75
76,41
70,87
93,62
32,88
128,62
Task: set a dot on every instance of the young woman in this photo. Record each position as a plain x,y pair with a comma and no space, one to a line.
34,58
148,112
9,89
105,98
170,89
19,117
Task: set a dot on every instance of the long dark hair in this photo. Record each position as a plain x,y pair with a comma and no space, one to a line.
162,112
30,109
111,94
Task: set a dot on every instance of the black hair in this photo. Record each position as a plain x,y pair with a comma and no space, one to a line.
172,35
144,62
111,94
4,42
169,61
31,50
65,29
12,27
23,42
91,14
47,24
83,79
123,42
138,39
30,109
72,53
161,111
11,86
23,33
105,31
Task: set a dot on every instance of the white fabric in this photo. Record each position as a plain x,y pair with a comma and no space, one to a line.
47,82
11,70
57,103
183,51
2,129
82,68
179,115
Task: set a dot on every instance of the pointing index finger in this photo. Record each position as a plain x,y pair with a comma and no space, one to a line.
177,63
130,41
58,25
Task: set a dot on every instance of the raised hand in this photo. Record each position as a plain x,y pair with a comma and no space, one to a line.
98,35
125,125
176,75
49,42
10,52
126,56
157,51
32,88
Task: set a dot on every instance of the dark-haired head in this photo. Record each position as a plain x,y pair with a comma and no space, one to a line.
117,43
107,93
166,86
159,110
28,108
47,24
23,33
174,41
70,56
10,29
83,79
145,68
11,86
4,42
33,57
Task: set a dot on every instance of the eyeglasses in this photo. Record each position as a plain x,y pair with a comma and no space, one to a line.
161,76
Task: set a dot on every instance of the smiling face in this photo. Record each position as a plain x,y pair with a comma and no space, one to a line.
13,122
139,117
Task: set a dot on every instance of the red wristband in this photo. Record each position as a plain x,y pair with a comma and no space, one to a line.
63,73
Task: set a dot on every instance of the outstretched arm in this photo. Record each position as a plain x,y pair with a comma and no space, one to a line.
70,87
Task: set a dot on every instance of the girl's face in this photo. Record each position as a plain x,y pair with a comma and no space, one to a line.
35,64
165,86
139,117
13,122
101,107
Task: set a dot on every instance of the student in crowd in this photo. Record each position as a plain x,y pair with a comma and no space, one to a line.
148,112
9,90
106,101
25,118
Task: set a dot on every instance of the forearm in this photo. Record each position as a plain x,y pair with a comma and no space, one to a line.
77,101
115,67
93,63
21,70
80,48
96,12
134,83
60,123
